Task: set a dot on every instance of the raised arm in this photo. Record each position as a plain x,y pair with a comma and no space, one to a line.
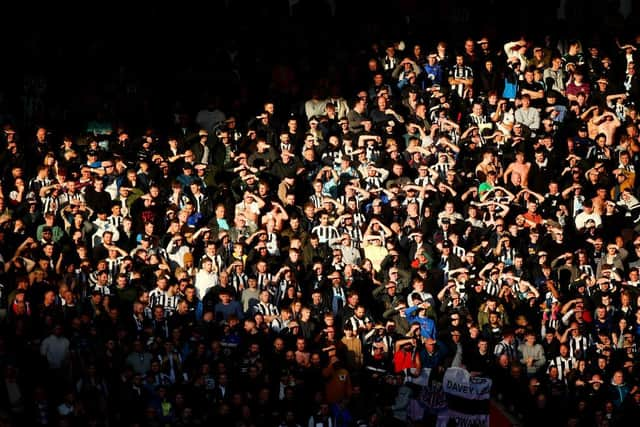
363,193
387,231
508,193
567,191
498,249
446,143
482,272
486,194
615,96
586,114
505,209
117,249
538,196
441,295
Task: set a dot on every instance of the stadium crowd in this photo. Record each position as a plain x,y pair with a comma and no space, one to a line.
469,206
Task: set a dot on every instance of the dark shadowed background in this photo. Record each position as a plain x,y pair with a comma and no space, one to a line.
141,63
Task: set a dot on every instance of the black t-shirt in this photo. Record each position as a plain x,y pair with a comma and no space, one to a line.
535,87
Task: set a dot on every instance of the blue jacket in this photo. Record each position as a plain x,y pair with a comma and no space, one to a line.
617,393
433,360
427,325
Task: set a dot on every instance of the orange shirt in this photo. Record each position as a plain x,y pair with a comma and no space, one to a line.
533,217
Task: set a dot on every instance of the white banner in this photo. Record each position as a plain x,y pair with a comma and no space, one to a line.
458,382
462,420
431,394
434,398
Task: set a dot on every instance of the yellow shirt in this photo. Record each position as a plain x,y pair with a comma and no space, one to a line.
376,254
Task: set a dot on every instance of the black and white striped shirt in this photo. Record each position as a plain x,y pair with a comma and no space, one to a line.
334,155
492,288
373,153
113,267
66,198
444,264
50,204
358,323
505,348
355,233
460,72
316,199
157,297
124,209
343,200
104,290
423,181
266,309
507,256
564,365
359,220
238,281
578,346
171,304
275,293
459,251
628,167
263,280
217,261
477,120
372,182
326,233
285,146
75,197
273,246
115,220
586,269
277,324
36,184
441,169
281,290
199,200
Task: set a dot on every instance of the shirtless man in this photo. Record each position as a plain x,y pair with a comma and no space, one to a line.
601,121
520,167
608,123
600,200
488,163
